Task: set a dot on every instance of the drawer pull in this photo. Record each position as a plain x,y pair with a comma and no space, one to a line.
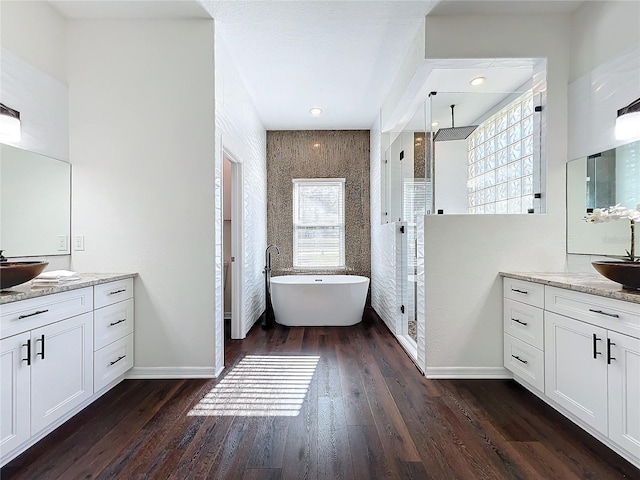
32,314
519,359
520,291
518,321
41,339
28,345
614,315
117,360
595,350
118,291
119,321
609,357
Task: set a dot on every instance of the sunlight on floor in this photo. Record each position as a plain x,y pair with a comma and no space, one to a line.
261,385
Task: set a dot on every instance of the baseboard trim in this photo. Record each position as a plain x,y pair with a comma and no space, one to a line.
171,372
468,372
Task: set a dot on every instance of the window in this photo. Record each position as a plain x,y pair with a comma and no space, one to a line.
318,223
501,160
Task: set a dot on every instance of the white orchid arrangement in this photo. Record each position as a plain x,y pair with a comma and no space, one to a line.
603,215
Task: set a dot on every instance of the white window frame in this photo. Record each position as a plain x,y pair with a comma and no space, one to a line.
297,225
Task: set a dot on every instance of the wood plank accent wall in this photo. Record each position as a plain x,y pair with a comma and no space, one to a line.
319,154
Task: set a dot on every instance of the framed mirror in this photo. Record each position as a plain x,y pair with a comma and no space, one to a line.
35,204
602,180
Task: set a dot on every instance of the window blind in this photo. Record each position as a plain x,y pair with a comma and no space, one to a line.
318,223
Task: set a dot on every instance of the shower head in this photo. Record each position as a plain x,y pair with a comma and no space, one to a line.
453,133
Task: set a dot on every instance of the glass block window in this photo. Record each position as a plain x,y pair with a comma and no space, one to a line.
501,166
318,223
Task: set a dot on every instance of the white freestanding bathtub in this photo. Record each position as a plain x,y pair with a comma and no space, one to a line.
319,300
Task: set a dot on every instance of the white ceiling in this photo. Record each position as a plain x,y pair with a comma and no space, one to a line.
341,56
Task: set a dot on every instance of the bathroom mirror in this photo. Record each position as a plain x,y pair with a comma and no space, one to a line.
35,204
599,181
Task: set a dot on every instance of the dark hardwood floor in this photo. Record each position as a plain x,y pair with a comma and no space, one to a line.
344,403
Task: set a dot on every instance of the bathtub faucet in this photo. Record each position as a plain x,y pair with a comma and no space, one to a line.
267,257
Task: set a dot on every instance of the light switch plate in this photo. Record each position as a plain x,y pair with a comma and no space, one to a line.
78,243
63,243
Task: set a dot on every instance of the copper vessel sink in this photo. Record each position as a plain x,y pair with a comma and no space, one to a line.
626,273
15,273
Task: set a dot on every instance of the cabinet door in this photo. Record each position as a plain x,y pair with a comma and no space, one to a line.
14,392
624,392
62,370
576,368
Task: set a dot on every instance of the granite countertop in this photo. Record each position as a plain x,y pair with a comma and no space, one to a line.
27,290
580,282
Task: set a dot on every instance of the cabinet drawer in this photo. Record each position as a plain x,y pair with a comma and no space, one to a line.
18,317
617,315
525,292
112,323
525,361
524,322
112,361
112,292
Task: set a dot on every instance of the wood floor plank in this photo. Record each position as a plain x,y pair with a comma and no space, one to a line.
334,454
366,413
393,432
269,443
162,438
262,474
367,455
119,438
356,405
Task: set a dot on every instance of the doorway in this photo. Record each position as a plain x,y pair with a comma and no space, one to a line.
232,246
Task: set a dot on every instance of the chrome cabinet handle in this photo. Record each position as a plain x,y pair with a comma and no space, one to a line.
118,291
518,321
116,323
32,314
519,291
519,359
614,315
116,360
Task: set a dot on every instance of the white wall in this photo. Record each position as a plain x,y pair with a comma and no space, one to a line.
385,293
141,109
241,133
605,73
463,291
33,81
464,253
601,31
451,176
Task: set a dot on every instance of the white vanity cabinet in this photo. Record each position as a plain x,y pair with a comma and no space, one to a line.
113,343
523,331
590,352
50,362
576,370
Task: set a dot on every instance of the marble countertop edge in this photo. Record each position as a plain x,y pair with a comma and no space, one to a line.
27,290
593,284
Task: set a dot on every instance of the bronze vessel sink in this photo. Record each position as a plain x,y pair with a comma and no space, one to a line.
626,273
15,273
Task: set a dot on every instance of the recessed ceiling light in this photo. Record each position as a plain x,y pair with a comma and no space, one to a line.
316,145
477,81
315,111
435,124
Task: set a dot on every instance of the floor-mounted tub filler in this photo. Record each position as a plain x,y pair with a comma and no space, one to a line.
319,300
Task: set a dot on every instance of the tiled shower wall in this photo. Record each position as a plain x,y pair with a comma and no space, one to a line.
319,154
